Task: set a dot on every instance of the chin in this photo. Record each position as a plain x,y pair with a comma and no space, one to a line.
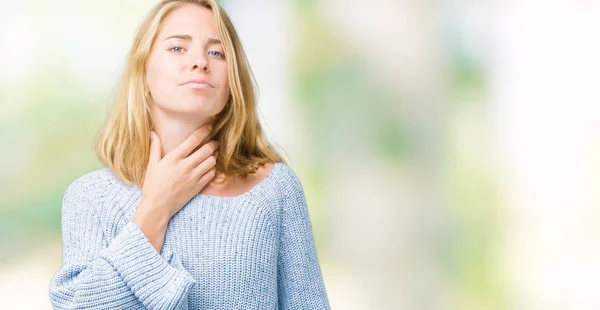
199,105
187,109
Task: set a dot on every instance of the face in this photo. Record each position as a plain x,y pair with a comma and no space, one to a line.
186,71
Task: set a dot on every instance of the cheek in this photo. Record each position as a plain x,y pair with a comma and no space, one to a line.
152,75
159,77
224,93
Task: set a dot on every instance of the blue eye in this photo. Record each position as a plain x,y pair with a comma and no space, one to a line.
176,47
219,54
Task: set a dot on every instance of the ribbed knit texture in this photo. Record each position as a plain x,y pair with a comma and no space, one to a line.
252,251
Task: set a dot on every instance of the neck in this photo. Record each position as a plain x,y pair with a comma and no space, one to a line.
172,130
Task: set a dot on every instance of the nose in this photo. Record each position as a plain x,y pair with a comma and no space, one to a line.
200,62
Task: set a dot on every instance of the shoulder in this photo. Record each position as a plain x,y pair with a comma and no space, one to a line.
292,203
89,186
92,179
287,180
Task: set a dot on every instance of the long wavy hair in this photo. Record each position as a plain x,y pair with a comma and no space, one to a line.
123,144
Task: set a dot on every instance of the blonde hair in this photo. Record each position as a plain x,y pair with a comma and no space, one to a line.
123,144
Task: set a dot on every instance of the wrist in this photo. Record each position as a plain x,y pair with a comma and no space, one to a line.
146,216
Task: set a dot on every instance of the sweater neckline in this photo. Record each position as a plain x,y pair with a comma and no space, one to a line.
257,187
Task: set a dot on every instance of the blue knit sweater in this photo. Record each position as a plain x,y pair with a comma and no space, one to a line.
252,251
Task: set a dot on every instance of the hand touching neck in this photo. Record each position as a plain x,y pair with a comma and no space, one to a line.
174,130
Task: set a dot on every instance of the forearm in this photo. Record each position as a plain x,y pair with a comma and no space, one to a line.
128,271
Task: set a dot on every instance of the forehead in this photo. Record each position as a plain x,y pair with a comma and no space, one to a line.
189,19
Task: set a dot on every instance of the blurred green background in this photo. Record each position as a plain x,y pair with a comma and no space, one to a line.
449,150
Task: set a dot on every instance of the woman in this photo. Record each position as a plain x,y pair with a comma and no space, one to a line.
170,223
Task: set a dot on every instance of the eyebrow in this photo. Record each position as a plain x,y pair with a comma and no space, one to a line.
211,40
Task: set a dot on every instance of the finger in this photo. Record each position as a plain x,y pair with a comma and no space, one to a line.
202,153
207,177
191,142
205,166
155,148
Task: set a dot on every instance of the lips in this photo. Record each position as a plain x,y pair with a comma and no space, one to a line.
198,84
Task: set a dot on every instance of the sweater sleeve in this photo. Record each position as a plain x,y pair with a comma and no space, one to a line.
300,282
127,274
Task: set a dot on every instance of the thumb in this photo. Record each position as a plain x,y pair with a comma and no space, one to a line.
155,148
